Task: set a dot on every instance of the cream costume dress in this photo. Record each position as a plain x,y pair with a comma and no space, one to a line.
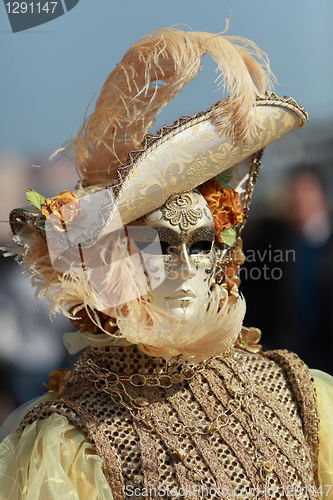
172,397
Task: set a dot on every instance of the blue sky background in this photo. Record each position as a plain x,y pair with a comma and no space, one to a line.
51,72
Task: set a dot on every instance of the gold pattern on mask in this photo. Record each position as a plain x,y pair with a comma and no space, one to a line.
179,211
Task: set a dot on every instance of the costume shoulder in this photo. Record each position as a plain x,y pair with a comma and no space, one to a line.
324,389
51,459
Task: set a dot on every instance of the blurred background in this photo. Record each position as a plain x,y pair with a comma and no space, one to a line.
50,74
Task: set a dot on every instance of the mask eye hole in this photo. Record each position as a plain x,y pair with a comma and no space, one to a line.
168,249
156,248
201,248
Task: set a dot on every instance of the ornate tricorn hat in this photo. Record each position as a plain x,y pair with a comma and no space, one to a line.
127,172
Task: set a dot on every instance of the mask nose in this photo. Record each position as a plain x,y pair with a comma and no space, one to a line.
187,267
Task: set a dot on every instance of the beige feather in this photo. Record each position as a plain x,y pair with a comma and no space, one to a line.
211,331
149,76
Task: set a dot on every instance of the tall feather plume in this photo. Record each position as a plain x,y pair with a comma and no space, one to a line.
149,76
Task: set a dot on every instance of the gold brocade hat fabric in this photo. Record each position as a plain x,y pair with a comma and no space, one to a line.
193,151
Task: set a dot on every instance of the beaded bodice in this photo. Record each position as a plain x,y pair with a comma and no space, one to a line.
238,424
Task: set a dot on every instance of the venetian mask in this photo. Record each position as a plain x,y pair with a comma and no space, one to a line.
176,244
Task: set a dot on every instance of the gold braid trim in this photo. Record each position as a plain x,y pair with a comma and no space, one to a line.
299,376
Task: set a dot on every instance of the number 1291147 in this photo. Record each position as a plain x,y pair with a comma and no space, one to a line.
31,8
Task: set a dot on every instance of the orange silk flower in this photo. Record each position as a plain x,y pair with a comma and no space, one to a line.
71,214
224,204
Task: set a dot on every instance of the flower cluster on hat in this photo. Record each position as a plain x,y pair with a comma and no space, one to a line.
226,209
65,207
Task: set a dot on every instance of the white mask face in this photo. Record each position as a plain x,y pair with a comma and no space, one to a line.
185,261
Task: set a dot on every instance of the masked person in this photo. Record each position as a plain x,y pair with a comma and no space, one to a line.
173,396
